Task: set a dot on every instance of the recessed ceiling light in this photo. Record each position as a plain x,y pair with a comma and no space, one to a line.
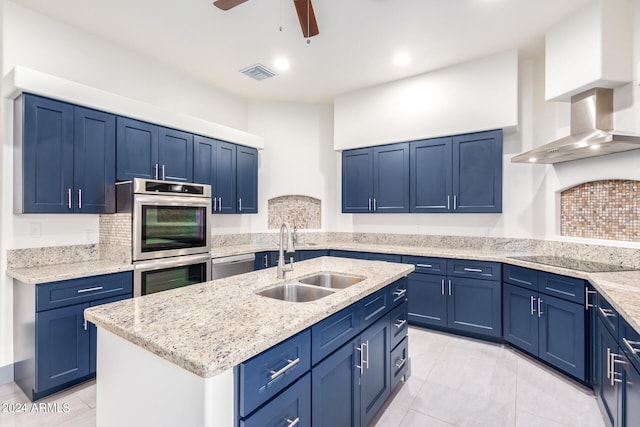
401,58
533,159
595,146
281,64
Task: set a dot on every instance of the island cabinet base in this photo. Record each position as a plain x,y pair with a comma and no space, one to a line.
136,388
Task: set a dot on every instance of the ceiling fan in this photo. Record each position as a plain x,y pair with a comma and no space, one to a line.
304,8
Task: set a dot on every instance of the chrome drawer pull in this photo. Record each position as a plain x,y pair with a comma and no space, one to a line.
292,423
400,324
609,364
290,364
424,265
399,292
631,344
399,364
606,312
473,270
97,288
586,298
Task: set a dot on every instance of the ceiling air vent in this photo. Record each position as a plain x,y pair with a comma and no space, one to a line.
258,72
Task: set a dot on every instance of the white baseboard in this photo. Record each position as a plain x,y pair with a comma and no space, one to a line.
6,374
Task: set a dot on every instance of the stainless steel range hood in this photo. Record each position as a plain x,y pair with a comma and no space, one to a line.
592,132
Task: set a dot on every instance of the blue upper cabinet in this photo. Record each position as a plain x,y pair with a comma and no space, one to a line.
226,178
431,178
68,162
175,155
357,181
247,179
376,179
94,171
477,172
391,178
137,150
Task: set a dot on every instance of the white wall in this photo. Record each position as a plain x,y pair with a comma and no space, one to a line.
41,43
473,96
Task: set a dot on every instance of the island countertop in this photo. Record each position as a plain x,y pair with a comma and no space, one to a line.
210,327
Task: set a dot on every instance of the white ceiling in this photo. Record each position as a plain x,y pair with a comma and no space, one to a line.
354,49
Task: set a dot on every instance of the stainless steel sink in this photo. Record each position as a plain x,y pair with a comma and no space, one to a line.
295,292
330,280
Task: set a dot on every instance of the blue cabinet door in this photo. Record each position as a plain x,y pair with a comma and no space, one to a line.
175,155
520,317
94,170
474,306
431,175
225,188
204,161
562,335
375,382
62,346
427,299
391,178
335,389
608,394
47,155
357,181
630,402
247,179
477,172
136,150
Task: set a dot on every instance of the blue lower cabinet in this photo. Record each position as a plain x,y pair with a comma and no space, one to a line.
475,306
399,324
630,411
427,299
309,254
335,388
290,408
62,345
265,259
346,254
375,381
520,318
607,391
399,362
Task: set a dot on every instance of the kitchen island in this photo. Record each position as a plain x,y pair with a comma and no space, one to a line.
169,358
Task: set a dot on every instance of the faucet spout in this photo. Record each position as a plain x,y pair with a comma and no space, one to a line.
282,269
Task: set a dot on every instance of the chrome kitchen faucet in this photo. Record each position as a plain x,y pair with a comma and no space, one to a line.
290,249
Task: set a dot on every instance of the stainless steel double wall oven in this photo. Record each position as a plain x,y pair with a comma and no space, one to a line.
171,233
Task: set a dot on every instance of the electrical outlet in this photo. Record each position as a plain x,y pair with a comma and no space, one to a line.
35,229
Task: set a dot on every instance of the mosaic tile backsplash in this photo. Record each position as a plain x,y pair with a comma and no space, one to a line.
303,211
608,210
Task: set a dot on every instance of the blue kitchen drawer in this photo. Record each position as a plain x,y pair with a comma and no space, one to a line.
520,276
265,375
398,292
292,407
374,307
477,269
426,265
399,323
564,287
381,257
399,362
331,333
630,342
346,254
87,289
608,314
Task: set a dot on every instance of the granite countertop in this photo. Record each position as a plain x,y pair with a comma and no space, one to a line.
58,272
210,327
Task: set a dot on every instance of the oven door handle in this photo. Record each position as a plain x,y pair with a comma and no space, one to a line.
178,261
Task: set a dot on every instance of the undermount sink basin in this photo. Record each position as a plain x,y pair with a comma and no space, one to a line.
330,280
295,292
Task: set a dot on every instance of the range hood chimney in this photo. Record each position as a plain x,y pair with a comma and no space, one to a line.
591,135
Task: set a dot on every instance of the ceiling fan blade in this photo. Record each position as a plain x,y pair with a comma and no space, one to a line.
227,4
307,18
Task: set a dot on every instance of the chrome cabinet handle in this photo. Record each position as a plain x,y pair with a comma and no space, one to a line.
215,199
533,310
449,286
69,198
367,361
399,292
614,360
586,298
85,324
369,208
220,204
630,345
455,202
163,172
361,366
473,270
375,207
448,205
240,203
424,265
609,364
79,198
292,423
400,363
156,169
540,313
266,261
442,286
97,288
606,312
290,364
400,324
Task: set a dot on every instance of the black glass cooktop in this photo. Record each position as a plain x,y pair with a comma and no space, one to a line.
574,264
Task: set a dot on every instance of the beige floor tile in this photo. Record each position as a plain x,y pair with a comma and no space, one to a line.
87,393
417,419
